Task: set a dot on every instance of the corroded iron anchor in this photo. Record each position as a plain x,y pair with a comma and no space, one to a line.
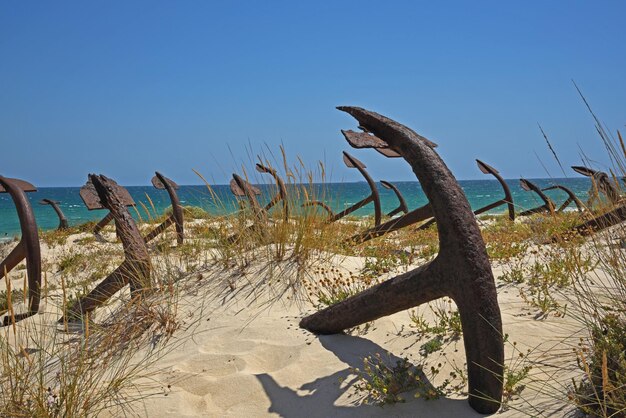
28,247
424,212
508,197
548,205
460,271
241,188
280,196
92,202
402,206
373,197
571,198
600,182
55,205
161,182
136,268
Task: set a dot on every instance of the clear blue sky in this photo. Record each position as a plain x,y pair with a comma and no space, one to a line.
107,86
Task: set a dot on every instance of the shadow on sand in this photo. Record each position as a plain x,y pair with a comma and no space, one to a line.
325,391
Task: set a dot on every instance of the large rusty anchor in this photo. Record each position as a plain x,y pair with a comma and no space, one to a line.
548,204
601,182
460,271
161,182
55,205
373,197
571,198
28,247
136,268
402,206
424,212
92,202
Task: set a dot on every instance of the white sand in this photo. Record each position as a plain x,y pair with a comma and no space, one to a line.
247,357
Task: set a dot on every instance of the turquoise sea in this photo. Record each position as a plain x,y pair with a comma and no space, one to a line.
337,195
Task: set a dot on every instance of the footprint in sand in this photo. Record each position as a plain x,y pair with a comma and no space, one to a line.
212,365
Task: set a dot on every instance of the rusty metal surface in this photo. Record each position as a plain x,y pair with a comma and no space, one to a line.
92,200
136,267
55,205
281,196
547,207
322,205
402,206
373,197
425,212
21,184
260,220
508,197
461,270
411,218
601,182
506,200
28,248
571,198
238,191
613,217
159,181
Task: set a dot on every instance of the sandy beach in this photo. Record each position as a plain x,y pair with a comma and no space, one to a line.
238,350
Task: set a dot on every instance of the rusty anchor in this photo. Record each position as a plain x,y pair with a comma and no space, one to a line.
424,212
238,189
508,197
242,188
55,205
402,206
373,197
612,217
161,182
571,198
92,201
136,268
548,205
506,200
28,247
460,271
601,182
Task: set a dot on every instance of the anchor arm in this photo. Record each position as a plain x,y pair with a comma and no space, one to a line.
508,197
402,207
28,246
282,190
548,205
571,197
374,196
55,205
